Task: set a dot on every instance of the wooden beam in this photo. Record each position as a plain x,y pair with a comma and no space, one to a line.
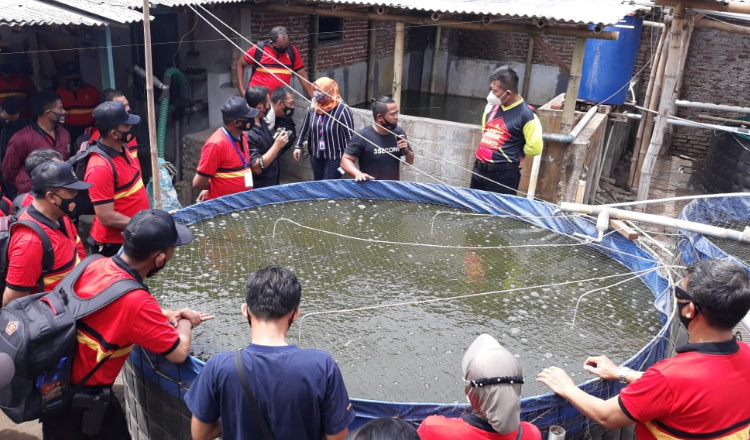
709,5
551,54
574,82
666,103
623,229
435,58
398,63
428,21
529,65
372,55
687,34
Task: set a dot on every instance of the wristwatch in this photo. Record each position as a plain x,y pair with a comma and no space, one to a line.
624,374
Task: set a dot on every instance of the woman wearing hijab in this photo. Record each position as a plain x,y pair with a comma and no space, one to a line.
327,129
493,379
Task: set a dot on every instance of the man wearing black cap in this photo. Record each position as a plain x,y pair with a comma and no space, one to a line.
55,185
224,167
105,338
115,200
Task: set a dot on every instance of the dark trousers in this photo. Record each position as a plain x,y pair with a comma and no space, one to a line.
498,178
324,169
104,249
68,423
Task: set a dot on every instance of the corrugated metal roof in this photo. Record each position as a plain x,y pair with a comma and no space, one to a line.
571,11
34,12
118,11
173,3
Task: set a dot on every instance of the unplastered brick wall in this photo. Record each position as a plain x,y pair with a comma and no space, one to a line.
350,50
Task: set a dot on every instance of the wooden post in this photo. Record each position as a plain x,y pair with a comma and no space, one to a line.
312,71
150,104
574,82
398,63
655,67
435,58
106,63
687,34
36,64
529,64
372,55
666,103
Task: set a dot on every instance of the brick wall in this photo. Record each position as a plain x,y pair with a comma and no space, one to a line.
350,50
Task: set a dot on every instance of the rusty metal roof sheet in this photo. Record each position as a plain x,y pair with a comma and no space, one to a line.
570,11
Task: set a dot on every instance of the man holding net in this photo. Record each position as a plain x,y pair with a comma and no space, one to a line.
697,393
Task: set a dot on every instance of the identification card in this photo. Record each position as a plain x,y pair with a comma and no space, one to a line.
321,145
248,179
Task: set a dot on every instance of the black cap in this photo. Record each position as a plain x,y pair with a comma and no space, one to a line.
112,114
13,104
236,107
153,230
52,174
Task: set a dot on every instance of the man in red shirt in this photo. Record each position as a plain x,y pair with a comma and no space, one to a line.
278,60
698,394
115,200
224,166
45,132
54,187
80,100
14,83
106,337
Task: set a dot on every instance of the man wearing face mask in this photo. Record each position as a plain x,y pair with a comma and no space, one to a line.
272,62
280,116
265,145
224,166
115,201
379,147
79,99
105,338
54,186
511,132
698,394
45,131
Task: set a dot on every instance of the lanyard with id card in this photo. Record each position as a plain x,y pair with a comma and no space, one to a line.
244,156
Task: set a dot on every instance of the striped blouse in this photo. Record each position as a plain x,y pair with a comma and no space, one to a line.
334,135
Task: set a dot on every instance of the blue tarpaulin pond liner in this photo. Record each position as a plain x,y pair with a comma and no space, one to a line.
155,387
731,212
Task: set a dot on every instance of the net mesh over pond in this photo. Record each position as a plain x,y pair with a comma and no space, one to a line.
399,278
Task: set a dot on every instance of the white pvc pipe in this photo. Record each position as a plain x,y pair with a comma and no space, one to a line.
715,231
534,176
710,106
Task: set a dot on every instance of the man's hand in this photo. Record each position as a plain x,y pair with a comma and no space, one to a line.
297,153
202,196
402,144
281,139
361,177
603,367
191,315
557,380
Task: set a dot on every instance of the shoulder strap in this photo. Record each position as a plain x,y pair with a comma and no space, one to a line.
48,253
94,148
292,55
249,396
258,54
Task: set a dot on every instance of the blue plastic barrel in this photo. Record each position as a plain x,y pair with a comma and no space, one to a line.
608,64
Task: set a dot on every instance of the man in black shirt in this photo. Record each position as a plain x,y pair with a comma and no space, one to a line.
379,146
264,144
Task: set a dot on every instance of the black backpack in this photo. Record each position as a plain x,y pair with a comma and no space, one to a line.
79,163
39,333
7,224
261,46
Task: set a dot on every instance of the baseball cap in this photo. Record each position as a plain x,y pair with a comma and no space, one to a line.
53,174
12,104
7,369
112,114
236,107
153,230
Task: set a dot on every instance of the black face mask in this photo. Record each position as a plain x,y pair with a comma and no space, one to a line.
155,270
245,126
67,206
59,118
389,125
288,111
127,136
683,320
279,50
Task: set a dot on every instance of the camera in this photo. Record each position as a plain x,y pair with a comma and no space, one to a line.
280,130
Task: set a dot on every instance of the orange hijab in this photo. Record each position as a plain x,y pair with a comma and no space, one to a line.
331,98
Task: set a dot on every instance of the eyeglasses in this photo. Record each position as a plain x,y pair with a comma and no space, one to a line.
478,383
680,293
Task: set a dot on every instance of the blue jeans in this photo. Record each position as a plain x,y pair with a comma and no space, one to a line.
324,169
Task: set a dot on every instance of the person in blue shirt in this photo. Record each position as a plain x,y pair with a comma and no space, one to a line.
300,393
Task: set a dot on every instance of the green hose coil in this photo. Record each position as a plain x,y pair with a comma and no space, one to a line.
161,131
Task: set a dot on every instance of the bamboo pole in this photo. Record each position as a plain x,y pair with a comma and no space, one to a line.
666,103
687,33
656,66
372,54
398,63
150,105
529,64
574,82
725,27
427,21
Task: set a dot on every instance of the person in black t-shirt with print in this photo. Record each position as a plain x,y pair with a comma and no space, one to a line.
378,147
